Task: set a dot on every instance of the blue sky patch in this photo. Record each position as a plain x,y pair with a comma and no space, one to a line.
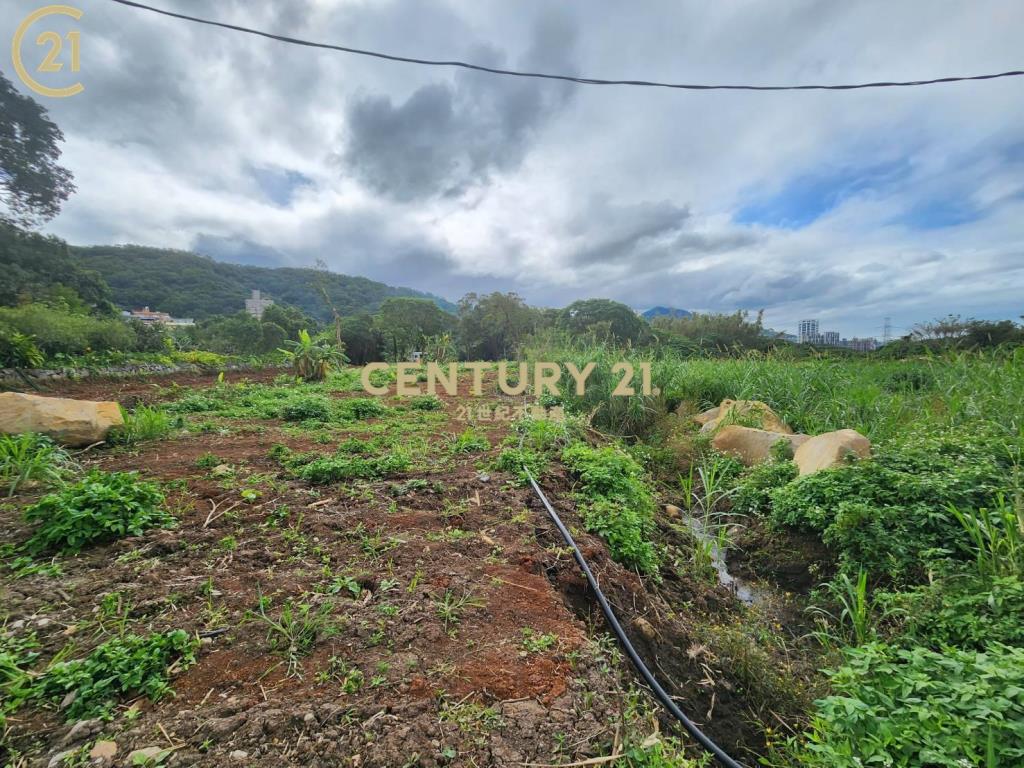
280,184
805,198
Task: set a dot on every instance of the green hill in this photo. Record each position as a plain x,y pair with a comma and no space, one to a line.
188,285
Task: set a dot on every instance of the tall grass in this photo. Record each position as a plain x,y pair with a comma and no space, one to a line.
879,398
28,458
997,537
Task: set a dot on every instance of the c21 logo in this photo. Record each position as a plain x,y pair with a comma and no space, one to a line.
51,62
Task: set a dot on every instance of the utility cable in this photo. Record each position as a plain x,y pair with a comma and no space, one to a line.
720,754
567,78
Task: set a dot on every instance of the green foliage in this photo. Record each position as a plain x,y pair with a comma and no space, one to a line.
32,458
701,333
307,408
615,502
426,403
603,320
892,514
405,323
356,408
532,443
122,665
469,441
491,327
997,537
312,359
18,350
918,708
295,631
16,686
753,491
352,461
144,423
57,331
101,507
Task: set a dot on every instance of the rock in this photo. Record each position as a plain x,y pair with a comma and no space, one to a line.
830,450
733,411
752,446
69,422
644,628
103,750
706,416
58,759
82,730
673,511
239,754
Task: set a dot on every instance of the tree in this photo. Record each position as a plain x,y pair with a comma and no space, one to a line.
32,185
948,327
718,332
405,323
362,342
492,326
290,319
603,318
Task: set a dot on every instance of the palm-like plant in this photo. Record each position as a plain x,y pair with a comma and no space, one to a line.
313,359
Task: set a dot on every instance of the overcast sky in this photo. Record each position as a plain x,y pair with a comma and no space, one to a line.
845,206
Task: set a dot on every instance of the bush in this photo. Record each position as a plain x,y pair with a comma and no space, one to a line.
891,514
128,664
918,708
99,508
311,408
753,492
333,469
57,331
18,350
537,441
469,441
426,403
361,408
615,502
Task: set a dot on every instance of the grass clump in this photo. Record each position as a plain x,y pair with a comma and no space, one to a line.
307,408
16,687
468,441
615,502
426,403
32,458
532,443
122,665
352,461
144,423
296,629
101,507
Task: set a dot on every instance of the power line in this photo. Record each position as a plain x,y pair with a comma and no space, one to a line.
566,78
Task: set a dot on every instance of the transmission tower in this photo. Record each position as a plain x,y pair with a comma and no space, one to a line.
887,331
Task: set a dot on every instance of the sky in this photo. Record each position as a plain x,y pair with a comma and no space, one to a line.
846,206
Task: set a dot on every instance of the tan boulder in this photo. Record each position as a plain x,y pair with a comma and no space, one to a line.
70,422
706,416
734,411
752,446
830,450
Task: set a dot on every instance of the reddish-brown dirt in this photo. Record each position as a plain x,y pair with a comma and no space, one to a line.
438,687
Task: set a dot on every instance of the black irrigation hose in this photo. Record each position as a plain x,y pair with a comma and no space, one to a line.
666,700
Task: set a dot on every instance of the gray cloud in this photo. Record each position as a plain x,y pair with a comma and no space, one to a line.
448,136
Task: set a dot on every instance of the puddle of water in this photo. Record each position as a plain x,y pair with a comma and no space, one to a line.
744,590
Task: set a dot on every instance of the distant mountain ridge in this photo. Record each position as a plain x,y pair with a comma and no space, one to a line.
186,284
654,312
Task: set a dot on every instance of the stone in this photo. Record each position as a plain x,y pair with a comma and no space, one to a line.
141,756
82,730
706,416
103,750
731,411
673,511
752,446
831,449
645,629
239,754
69,422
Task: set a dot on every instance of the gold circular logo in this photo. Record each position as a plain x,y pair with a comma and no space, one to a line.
50,62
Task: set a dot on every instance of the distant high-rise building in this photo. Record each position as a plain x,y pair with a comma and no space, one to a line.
807,332
830,338
862,345
256,305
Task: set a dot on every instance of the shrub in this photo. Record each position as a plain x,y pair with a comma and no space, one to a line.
16,656
333,469
201,358
753,491
537,441
312,359
426,403
101,507
57,331
128,664
144,423
918,708
30,457
18,350
891,514
311,408
361,408
615,502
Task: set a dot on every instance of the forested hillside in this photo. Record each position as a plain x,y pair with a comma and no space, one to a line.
188,285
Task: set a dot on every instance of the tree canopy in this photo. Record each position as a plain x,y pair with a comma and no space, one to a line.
604,318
